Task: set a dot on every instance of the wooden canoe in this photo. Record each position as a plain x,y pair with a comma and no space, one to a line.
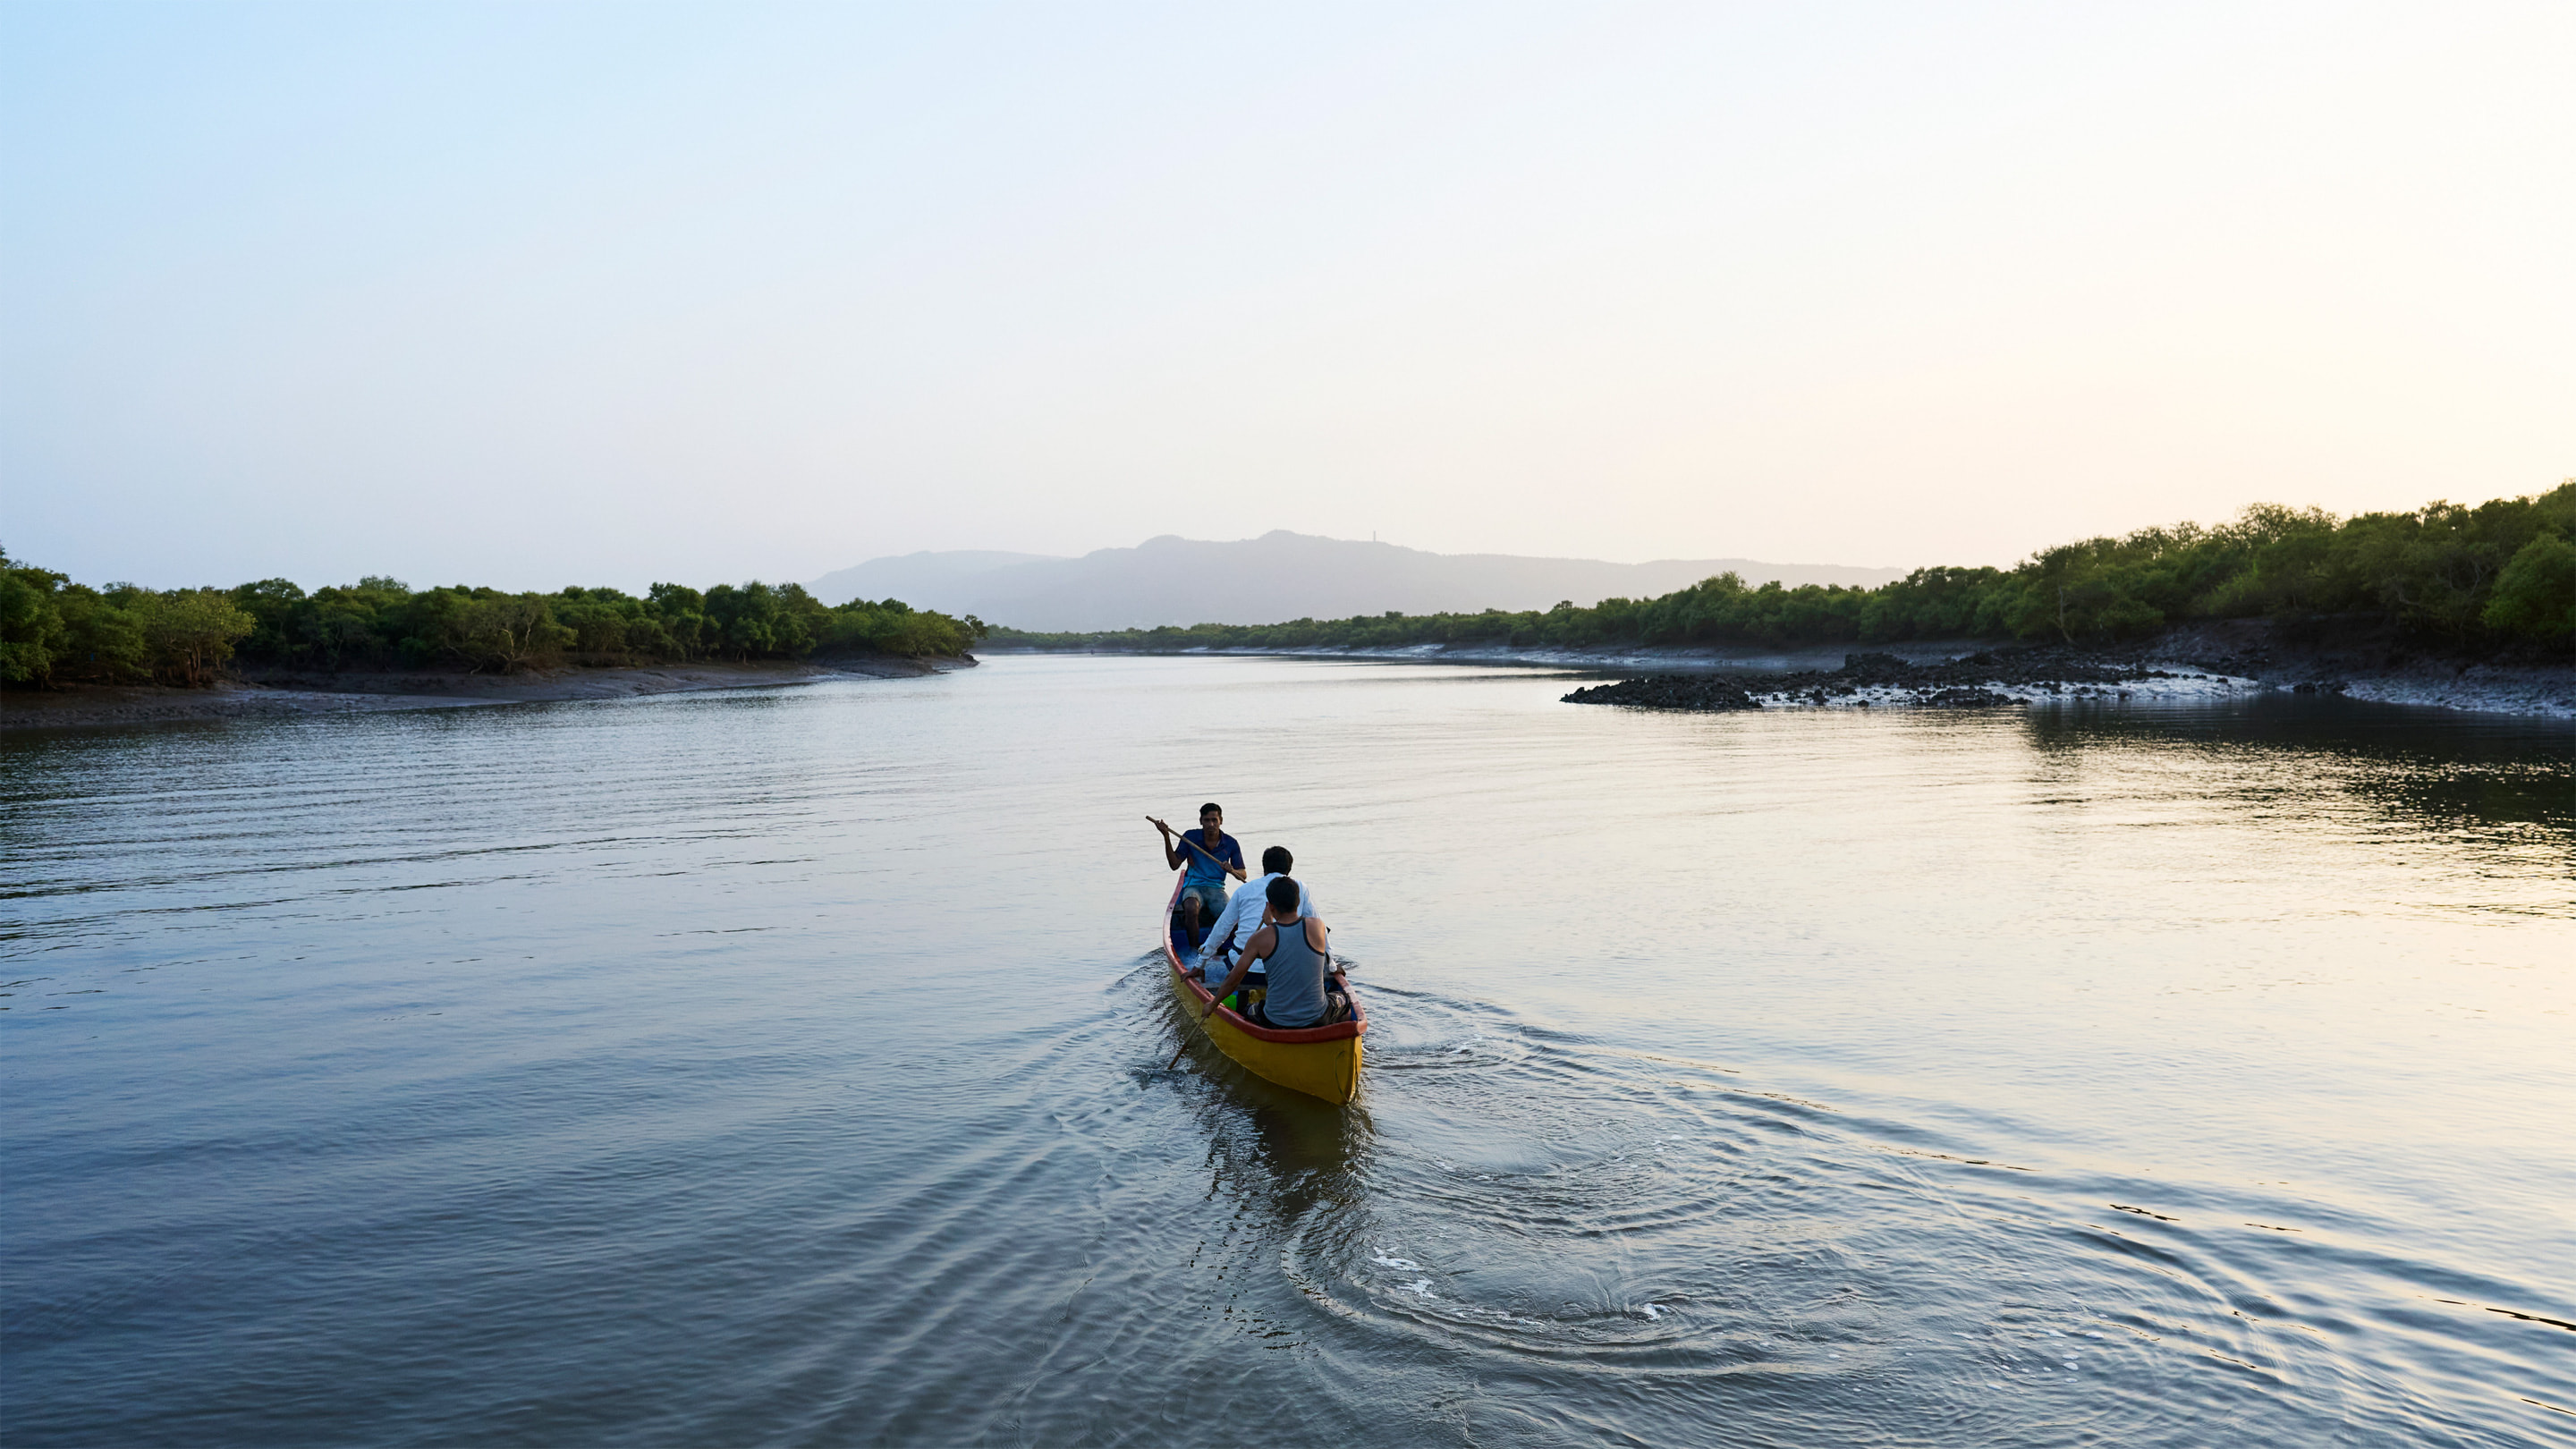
1320,1061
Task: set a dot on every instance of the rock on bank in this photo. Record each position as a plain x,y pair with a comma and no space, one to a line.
2007,676
2033,674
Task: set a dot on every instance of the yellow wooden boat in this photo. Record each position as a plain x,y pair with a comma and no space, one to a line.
1320,1061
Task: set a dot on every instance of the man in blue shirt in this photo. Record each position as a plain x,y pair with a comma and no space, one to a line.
1205,860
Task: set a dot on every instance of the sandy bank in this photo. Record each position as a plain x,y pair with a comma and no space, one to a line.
280,692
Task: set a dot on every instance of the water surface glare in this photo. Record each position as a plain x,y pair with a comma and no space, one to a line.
784,1066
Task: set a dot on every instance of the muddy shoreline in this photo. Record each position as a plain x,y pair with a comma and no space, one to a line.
2230,659
274,693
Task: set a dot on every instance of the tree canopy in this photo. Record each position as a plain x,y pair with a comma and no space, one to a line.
53,630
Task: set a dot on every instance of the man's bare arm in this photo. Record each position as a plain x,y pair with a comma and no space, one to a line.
1256,949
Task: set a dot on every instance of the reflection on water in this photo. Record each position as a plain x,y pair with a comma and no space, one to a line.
2426,767
788,1066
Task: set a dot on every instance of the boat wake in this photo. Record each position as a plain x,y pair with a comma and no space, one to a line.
1690,1235
1534,1209
1416,1031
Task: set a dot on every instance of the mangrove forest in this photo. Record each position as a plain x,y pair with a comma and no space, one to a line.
54,631
2501,574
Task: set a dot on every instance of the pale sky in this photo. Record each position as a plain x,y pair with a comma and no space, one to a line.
536,295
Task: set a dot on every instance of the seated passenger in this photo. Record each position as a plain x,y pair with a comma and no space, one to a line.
1242,917
1302,978
1205,860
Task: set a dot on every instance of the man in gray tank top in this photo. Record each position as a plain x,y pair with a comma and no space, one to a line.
1300,965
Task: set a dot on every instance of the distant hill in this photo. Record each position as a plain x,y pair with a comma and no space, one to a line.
1276,577
917,578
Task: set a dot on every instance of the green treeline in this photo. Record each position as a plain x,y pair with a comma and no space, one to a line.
2502,572
2498,573
55,631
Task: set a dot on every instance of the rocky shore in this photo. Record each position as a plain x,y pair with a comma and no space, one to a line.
269,694
1996,677
2230,661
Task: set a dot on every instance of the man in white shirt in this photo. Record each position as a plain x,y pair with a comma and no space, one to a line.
1242,916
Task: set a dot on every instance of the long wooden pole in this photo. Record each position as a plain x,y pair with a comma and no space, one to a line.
1185,1037
1184,837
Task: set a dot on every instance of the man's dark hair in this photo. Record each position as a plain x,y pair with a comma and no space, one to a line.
1276,860
1212,805
1283,895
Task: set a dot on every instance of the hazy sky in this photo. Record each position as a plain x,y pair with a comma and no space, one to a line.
534,295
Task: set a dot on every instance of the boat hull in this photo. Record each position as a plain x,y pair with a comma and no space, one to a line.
1320,1061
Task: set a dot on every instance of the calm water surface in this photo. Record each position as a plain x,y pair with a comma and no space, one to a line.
785,1067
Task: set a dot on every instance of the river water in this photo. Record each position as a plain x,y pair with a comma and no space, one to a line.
786,1066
